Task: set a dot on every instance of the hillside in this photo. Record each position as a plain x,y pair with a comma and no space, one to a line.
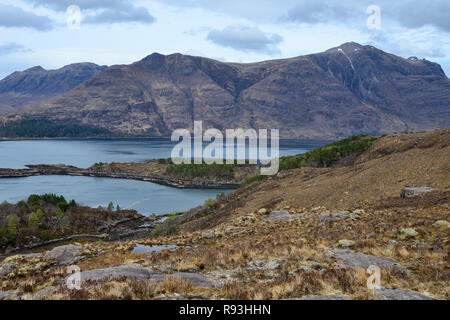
37,85
348,90
308,233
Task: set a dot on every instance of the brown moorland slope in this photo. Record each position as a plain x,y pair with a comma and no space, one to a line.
332,224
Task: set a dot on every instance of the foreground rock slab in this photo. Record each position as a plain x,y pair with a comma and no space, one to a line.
398,294
135,271
352,258
65,255
323,298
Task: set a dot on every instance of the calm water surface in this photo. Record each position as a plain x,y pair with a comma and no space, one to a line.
144,197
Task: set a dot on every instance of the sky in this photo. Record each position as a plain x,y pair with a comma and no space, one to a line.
54,33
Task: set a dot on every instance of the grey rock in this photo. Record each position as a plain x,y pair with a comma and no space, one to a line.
398,294
140,273
65,255
409,233
282,215
207,235
44,293
415,192
7,268
129,271
4,295
322,298
331,217
356,259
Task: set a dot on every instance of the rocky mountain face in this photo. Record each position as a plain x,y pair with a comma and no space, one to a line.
347,90
37,85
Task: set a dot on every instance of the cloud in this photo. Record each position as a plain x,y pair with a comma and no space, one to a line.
313,11
419,14
102,11
134,14
247,39
12,47
407,13
62,5
15,17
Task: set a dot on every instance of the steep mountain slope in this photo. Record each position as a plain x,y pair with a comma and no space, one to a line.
37,85
347,90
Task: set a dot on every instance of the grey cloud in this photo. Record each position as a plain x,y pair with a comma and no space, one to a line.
102,11
61,5
247,39
418,14
15,17
12,47
313,11
135,14
408,13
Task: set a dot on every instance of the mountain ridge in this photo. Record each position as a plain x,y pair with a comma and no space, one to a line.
350,89
36,85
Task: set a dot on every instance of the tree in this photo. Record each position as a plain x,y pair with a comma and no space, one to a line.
111,206
12,221
59,213
35,219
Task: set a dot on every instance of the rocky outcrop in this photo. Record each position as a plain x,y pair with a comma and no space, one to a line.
347,90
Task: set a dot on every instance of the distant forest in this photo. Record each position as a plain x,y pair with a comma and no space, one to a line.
46,129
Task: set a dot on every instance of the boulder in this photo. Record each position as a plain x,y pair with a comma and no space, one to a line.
281,215
346,243
262,211
442,224
65,255
398,294
415,192
408,233
207,235
7,268
352,258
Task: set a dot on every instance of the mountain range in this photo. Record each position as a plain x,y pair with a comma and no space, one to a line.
347,90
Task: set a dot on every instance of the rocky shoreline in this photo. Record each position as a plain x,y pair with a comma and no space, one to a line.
38,170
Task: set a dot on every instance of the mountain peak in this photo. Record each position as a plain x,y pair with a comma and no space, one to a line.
35,69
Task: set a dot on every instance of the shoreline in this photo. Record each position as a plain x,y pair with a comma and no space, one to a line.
49,170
